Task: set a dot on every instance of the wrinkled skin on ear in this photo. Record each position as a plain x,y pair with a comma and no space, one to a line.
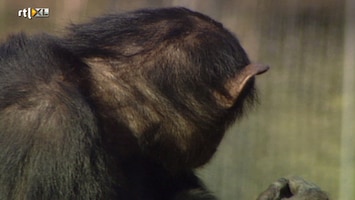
235,85
293,188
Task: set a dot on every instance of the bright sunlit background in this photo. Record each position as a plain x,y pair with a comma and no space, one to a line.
304,124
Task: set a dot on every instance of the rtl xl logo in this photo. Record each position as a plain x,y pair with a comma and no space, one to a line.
33,12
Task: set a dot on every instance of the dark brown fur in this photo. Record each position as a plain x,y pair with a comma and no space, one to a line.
170,62
123,107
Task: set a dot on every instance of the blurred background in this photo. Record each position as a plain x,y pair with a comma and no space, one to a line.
304,124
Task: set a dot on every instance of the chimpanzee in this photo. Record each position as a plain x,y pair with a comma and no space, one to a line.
125,107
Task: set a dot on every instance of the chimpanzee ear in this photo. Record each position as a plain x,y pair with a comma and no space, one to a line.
235,85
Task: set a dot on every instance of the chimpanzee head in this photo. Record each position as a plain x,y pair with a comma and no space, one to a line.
171,78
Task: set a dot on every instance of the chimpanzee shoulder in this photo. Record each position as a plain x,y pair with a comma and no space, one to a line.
29,61
46,124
